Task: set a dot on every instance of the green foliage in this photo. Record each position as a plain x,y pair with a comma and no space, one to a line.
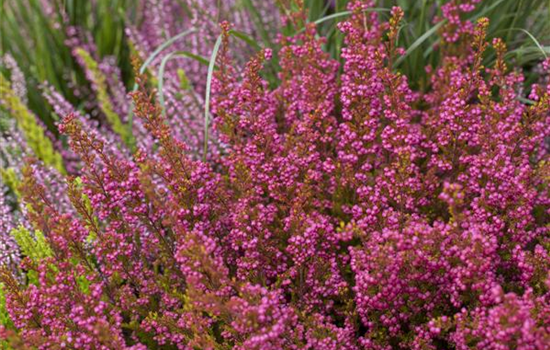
5,320
184,81
208,89
88,207
26,121
4,316
33,246
9,178
35,35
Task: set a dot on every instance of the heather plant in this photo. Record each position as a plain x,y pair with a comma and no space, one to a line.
342,203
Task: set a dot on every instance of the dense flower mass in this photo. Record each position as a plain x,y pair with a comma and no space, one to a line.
337,209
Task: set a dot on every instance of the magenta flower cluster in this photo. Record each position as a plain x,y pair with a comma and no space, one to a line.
343,210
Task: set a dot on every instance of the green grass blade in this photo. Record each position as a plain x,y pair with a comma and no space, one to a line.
526,100
163,46
246,38
485,10
419,42
210,74
240,35
148,61
165,60
162,69
532,38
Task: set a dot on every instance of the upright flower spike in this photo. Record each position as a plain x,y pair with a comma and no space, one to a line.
17,77
99,82
393,32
